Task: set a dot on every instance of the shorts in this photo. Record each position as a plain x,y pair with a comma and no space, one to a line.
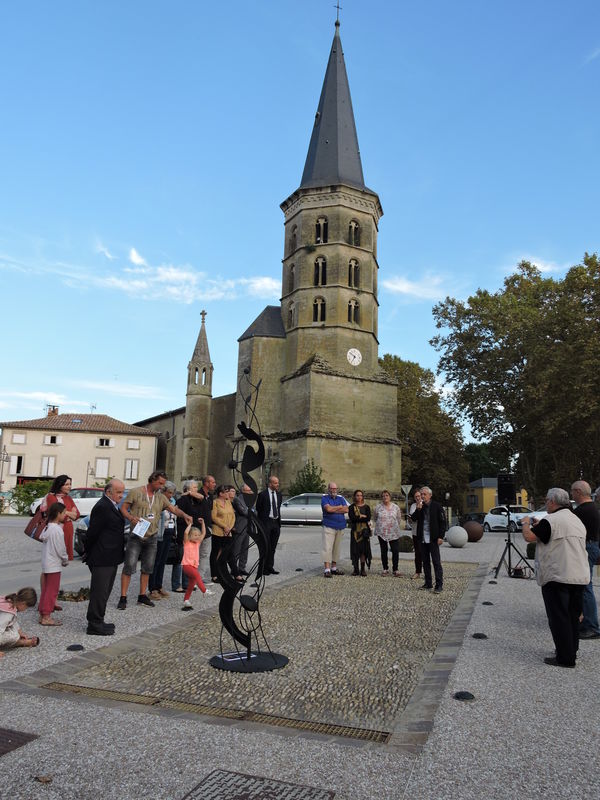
135,546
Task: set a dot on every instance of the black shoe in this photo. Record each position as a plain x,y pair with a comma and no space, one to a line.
244,572
438,590
122,604
356,572
589,635
273,572
100,630
254,585
110,625
553,662
337,572
425,586
144,600
327,574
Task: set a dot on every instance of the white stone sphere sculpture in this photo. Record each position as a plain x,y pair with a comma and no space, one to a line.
457,536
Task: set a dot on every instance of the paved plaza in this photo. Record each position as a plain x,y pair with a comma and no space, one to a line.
364,709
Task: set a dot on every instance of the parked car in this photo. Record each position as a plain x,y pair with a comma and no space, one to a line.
302,509
497,518
541,512
84,498
472,516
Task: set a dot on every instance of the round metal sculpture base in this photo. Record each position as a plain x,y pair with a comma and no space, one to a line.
258,662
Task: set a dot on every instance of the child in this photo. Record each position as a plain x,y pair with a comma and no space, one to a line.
10,633
192,538
54,557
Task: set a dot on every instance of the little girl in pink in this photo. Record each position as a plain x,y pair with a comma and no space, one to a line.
192,538
54,558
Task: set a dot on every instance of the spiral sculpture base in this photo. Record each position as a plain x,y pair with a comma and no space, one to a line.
258,662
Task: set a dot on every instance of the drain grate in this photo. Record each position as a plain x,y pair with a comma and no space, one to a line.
324,728
10,740
236,786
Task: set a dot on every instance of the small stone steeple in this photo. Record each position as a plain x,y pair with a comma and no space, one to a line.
196,432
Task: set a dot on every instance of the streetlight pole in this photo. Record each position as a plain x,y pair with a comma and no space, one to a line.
4,459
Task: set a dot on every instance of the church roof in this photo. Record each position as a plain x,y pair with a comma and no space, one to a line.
201,353
333,154
268,323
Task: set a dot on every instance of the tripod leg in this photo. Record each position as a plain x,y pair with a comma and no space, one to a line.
502,559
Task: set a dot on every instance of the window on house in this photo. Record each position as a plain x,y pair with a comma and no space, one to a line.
52,438
319,310
48,466
320,275
472,501
16,465
131,469
353,273
133,444
354,233
353,311
102,465
104,442
321,232
19,438
292,278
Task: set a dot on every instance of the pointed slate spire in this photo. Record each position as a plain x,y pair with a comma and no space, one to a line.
201,353
333,154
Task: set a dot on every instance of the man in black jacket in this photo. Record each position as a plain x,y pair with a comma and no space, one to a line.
431,529
268,508
104,550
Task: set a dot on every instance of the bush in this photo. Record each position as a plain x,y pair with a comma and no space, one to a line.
308,479
406,544
24,495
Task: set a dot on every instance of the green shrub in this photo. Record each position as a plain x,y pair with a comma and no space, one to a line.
24,495
308,479
406,544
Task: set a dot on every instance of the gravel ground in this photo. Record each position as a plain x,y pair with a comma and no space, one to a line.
526,731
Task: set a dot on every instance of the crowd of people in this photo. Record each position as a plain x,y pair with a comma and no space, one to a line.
208,524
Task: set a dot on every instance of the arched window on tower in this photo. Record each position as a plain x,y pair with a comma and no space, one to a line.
294,239
204,377
353,311
291,315
319,310
354,233
292,278
196,376
321,232
353,273
320,275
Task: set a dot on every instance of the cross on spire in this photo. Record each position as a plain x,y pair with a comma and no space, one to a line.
338,8
203,315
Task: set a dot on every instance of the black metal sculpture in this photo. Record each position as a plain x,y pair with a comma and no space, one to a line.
240,610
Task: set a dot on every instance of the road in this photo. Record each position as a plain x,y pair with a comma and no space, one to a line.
20,557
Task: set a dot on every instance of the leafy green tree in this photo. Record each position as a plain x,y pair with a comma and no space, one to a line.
485,460
308,479
523,365
24,494
433,451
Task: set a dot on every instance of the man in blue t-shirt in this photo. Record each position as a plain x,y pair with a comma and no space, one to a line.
334,508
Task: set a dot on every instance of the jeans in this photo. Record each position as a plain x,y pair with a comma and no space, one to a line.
590,609
162,552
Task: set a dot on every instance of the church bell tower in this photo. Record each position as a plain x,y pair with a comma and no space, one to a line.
196,433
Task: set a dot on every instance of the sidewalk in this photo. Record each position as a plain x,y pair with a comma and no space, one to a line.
525,732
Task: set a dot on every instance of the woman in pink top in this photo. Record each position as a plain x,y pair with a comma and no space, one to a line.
192,539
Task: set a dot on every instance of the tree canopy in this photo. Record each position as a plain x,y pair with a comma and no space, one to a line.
523,365
433,447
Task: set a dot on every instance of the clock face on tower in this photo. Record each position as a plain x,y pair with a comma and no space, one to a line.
354,356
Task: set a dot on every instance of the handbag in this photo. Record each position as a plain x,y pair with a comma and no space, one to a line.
36,525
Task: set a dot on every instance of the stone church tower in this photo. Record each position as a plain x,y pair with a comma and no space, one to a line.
323,395
196,431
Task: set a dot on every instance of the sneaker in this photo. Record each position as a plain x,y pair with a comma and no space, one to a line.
179,590
163,593
144,600
122,604
155,595
208,591
187,606
385,573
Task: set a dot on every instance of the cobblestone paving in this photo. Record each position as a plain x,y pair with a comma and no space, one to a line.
357,648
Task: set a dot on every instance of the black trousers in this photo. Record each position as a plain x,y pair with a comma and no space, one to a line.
222,547
564,604
101,585
431,553
394,547
272,529
418,555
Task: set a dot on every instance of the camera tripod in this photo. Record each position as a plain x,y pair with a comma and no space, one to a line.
506,559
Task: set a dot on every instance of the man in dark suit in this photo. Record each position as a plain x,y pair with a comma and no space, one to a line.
268,507
104,551
431,529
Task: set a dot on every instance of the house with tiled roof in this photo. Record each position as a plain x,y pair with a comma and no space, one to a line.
91,448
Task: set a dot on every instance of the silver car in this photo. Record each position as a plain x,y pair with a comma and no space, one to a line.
497,518
302,509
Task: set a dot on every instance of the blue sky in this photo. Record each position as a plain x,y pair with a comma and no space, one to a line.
146,146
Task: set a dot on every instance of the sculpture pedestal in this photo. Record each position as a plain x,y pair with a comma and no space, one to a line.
258,662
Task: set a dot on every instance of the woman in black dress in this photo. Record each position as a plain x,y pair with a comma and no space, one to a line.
359,515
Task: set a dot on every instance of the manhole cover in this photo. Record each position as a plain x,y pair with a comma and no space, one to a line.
223,785
10,740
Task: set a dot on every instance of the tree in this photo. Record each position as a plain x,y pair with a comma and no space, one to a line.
523,366
485,460
24,494
433,452
308,479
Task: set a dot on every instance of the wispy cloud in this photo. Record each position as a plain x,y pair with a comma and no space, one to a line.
119,389
136,258
544,266
427,288
100,248
36,401
592,56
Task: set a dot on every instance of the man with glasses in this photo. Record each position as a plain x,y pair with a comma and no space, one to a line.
431,528
334,508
